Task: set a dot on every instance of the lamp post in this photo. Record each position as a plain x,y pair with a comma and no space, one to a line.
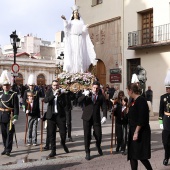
15,44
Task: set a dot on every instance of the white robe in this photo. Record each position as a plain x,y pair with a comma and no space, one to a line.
79,51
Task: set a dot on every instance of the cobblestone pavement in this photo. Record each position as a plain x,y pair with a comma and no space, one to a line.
30,158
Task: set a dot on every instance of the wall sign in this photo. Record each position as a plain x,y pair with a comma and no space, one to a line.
115,78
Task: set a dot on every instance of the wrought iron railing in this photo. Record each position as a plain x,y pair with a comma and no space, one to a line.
159,34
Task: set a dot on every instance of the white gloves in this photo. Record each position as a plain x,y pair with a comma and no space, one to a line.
56,92
23,108
103,120
63,90
161,126
14,121
27,111
86,93
38,119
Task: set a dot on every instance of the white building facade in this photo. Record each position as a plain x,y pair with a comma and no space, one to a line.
144,38
43,70
34,56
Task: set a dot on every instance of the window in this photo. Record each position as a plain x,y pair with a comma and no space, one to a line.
99,1
147,27
96,2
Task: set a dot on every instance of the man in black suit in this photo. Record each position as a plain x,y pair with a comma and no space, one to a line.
93,102
164,119
56,116
69,97
9,111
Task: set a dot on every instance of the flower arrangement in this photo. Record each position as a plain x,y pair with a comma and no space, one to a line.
81,78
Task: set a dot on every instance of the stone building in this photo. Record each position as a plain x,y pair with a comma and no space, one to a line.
104,20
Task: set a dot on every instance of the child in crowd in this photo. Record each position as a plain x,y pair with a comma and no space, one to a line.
20,102
120,112
33,111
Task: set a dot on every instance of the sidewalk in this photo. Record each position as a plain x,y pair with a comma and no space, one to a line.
31,158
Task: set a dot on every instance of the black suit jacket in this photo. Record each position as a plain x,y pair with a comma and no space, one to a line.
61,103
35,110
165,107
69,97
93,109
9,100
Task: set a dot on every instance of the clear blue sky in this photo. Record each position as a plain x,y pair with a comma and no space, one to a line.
39,17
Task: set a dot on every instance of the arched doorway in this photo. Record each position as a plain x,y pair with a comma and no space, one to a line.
19,79
101,72
40,79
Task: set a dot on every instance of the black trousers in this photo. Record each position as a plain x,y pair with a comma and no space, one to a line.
51,130
87,125
121,133
68,122
7,136
166,143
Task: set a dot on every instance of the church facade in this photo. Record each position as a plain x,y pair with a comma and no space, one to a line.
44,70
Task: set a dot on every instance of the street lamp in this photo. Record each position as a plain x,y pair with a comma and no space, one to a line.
15,41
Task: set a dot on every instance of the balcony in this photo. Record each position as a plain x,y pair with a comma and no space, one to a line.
149,37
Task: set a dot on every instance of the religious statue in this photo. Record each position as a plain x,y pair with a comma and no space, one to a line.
79,51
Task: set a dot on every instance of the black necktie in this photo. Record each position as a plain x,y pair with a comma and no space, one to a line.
94,98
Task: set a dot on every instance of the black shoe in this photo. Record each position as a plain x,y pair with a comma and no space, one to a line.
52,154
65,148
117,149
87,156
8,153
100,151
3,153
123,152
165,162
70,139
46,148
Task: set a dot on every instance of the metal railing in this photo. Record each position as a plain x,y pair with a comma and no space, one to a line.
159,34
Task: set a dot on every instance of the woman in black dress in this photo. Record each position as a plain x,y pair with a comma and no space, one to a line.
139,139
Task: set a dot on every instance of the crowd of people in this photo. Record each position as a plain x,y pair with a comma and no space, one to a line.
132,130
131,113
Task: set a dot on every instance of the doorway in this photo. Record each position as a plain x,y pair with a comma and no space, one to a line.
19,79
131,66
40,79
101,72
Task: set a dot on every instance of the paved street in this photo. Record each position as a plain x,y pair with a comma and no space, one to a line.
31,158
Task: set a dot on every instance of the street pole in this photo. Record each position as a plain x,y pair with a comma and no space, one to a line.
15,52
15,44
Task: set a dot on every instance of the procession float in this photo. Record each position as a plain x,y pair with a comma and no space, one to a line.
76,81
79,54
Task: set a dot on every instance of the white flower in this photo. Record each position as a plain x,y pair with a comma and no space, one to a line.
82,78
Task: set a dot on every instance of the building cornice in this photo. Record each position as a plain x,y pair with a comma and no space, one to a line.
104,22
28,62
